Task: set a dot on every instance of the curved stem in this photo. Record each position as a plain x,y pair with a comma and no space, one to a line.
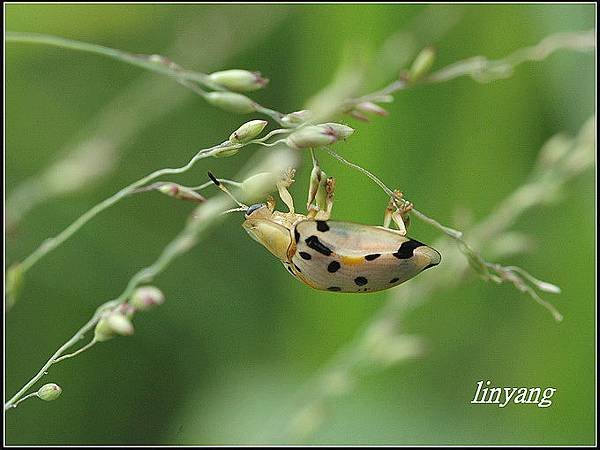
154,63
50,244
77,352
74,339
15,404
185,240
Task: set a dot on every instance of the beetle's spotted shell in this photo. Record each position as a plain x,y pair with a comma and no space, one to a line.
348,257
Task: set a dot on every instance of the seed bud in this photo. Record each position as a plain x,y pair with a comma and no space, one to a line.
49,392
147,297
318,135
295,118
231,102
248,131
239,80
112,324
422,64
181,192
370,107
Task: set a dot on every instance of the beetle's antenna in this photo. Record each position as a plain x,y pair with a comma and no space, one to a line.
224,189
235,210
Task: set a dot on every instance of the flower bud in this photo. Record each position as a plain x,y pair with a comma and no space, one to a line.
49,392
422,64
338,130
248,131
370,107
257,184
295,118
146,297
181,192
239,80
120,324
358,115
226,152
112,324
318,135
126,309
14,283
311,136
232,102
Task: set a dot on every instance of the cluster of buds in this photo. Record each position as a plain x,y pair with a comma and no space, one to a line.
239,80
242,135
235,81
117,322
313,136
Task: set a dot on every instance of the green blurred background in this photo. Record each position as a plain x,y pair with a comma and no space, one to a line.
226,356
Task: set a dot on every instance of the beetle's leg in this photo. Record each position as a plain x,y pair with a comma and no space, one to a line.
315,179
320,191
324,214
398,212
271,203
282,185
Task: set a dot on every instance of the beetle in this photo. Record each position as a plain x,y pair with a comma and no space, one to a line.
333,255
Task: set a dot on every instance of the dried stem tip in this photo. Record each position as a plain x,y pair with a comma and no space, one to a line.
318,135
112,324
181,192
239,80
49,392
248,131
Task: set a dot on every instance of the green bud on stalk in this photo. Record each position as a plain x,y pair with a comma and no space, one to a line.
239,80
248,131
231,102
49,392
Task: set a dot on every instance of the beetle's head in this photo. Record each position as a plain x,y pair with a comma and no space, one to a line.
263,229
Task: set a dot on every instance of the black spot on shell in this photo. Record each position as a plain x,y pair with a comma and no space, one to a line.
290,269
334,288
305,255
407,248
296,235
322,226
372,257
314,243
333,266
394,280
297,268
361,281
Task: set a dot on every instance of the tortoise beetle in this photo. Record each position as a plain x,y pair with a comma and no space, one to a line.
333,255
